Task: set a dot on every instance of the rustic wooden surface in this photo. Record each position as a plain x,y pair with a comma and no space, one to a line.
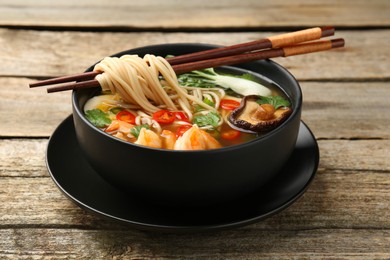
343,215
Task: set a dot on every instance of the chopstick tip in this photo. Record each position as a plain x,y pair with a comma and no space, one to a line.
336,43
33,85
327,31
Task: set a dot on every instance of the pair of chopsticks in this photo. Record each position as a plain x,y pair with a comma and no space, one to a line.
283,45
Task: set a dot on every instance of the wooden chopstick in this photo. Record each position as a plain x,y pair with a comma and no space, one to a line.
280,40
302,48
298,49
77,77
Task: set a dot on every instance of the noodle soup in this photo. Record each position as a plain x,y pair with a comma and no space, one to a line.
193,113
194,177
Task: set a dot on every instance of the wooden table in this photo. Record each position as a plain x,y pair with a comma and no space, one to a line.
344,213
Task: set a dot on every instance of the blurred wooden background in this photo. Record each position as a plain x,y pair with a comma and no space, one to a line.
343,215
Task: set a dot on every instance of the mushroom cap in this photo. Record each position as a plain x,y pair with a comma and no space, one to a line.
243,119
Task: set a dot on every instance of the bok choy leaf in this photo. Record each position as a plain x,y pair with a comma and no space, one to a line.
208,77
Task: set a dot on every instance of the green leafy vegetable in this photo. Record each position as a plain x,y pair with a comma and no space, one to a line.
98,118
276,101
243,85
137,129
210,118
247,76
208,102
194,80
198,108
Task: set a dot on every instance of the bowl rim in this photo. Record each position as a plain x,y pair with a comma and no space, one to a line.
298,104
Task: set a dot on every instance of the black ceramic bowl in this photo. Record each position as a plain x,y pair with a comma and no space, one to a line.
191,177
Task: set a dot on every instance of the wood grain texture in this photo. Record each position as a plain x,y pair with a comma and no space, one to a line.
202,14
240,244
49,54
352,110
30,112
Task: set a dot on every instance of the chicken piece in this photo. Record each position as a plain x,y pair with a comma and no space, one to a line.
168,139
119,126
149,138
196,139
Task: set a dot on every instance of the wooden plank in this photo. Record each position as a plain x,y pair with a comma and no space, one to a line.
351,190
193,14
238,244
331,109
49,54
366,155
30,112
346,110
23,158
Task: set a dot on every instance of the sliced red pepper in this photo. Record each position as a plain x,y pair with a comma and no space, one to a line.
229,104
182,129
230,134
181,116
126,116
164,116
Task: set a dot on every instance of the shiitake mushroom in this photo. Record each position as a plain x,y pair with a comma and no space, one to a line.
260,118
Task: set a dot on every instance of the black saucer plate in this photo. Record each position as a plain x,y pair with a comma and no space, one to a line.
79,182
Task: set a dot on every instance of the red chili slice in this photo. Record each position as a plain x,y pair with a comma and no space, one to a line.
164,116
126,116
229,104
181,116
182,129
